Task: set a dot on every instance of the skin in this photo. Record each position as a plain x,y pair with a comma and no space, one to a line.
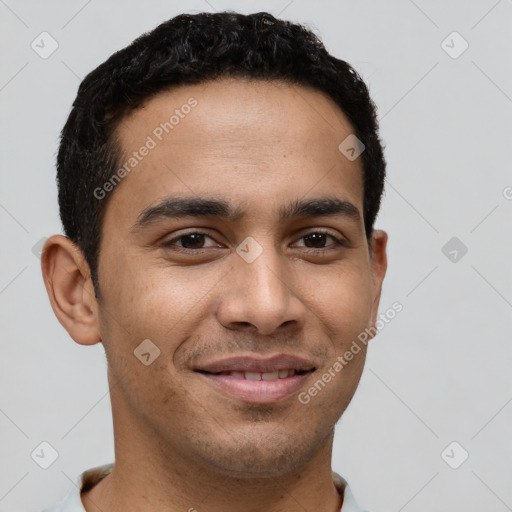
179,442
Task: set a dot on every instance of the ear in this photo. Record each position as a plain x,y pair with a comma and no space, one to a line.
67,279
379,264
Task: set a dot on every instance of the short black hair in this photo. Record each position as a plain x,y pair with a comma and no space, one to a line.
191,49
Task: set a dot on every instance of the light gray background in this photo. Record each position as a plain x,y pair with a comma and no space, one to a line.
438,373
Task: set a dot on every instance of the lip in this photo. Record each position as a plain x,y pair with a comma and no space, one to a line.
257,391
258,364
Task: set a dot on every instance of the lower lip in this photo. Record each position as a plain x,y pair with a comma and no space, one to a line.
257,391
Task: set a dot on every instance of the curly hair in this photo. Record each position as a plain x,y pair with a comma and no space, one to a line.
191,49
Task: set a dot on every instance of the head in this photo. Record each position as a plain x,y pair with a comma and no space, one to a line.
210,206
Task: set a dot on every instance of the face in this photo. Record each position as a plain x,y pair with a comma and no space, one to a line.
239,233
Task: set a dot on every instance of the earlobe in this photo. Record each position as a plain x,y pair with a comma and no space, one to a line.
68,284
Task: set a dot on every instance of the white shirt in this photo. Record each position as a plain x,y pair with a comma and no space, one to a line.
88,479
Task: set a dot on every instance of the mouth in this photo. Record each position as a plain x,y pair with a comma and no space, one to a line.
268,376
254,380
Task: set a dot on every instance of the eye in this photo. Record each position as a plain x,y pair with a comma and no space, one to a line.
195,241
317,239
190,241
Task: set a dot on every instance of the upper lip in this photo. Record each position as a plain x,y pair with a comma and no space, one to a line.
258,365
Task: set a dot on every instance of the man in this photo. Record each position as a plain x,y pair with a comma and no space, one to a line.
219,180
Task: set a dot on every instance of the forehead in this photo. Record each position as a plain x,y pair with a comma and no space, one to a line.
242,139
236,111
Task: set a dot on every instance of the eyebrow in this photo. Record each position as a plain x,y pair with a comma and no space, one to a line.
179,207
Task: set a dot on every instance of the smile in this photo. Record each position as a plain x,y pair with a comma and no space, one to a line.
256,387
281,374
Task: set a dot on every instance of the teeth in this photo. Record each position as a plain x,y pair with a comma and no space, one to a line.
281,374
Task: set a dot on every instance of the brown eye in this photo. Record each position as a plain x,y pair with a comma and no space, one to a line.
318,240
190,241
315,240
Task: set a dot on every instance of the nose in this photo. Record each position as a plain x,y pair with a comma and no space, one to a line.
261,295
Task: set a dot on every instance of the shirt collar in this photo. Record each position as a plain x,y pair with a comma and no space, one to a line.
349,502
89,478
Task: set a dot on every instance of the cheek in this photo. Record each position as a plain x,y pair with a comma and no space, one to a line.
147,303
342,300
156,301
342,306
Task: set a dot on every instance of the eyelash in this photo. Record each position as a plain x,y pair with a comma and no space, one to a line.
338,242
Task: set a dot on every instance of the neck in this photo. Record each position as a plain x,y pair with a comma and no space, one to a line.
151,473
140,483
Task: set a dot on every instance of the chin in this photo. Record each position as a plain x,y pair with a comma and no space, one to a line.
256,459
